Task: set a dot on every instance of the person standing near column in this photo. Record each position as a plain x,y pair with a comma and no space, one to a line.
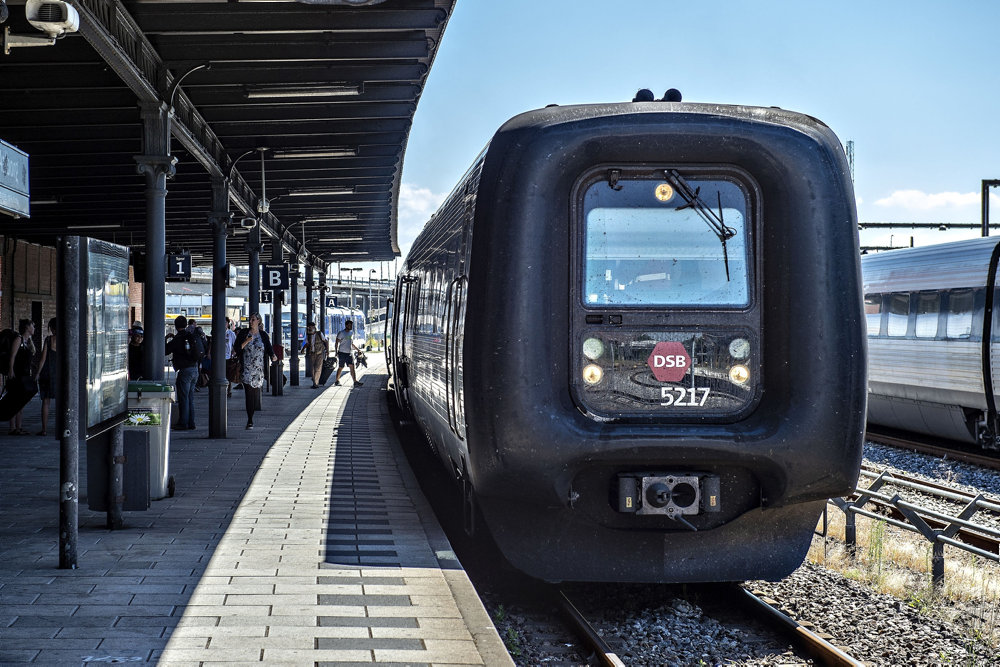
48,373
185,361
317,347
230,342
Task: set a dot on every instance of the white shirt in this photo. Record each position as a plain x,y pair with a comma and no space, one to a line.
345,340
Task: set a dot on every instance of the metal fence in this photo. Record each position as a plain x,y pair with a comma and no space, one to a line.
937,527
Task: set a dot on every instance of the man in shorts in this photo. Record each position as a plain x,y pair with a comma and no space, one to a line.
345,346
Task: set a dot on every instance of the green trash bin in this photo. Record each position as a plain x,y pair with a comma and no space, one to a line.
149,409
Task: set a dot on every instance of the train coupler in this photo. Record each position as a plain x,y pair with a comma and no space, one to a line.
672,495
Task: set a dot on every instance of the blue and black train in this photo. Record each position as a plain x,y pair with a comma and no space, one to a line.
634,334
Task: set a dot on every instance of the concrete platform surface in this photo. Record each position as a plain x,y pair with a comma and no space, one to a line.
303,541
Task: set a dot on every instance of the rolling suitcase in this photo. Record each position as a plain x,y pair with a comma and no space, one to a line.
329,366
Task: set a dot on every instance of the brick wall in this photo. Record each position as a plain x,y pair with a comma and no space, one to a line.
27,274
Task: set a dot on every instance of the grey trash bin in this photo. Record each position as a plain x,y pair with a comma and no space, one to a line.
149,409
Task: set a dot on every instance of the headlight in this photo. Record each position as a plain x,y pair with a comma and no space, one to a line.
592,374
739,374
593,348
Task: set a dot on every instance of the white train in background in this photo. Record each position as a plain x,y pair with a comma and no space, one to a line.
934,340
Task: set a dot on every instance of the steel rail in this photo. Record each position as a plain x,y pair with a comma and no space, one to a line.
929,488
603,652
991,462
818,648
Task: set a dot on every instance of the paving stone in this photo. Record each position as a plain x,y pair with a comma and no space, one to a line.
17,656
298,544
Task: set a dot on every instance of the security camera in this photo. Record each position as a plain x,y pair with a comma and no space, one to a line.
53,17
248,222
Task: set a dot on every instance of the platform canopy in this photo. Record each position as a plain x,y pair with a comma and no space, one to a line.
324,90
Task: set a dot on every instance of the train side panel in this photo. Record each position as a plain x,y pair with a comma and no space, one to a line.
926,323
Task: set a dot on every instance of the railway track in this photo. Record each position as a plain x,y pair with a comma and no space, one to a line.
924,447
814,644
810,644
602,653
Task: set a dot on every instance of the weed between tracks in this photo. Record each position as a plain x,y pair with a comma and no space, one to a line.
898,563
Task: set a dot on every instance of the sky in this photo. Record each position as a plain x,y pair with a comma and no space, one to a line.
910,83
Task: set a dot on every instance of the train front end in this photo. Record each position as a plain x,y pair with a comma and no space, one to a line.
669,351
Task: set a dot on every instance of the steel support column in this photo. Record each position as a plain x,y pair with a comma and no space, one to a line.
987,184
310,313
277,388
157,166
68,400
293,338
218,413
253,288
322,301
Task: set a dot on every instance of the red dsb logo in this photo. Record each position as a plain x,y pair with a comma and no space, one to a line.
669,361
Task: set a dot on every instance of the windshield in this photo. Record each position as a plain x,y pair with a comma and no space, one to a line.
669,242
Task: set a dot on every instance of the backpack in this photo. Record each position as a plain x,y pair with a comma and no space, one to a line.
199,348
197,351
7,337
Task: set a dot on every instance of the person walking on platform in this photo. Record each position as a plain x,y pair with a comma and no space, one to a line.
48,374
317,347
253,344
185,361
345,346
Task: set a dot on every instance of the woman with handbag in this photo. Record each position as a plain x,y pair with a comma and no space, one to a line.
48,370
253,346
20,382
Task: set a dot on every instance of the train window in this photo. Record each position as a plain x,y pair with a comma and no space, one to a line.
899,313
678,241
873,313
960,306
928,308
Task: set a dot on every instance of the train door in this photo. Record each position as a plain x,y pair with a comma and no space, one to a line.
403,320
455,333
989,432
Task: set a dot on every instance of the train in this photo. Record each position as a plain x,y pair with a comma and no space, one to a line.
934,340
633,334
336,316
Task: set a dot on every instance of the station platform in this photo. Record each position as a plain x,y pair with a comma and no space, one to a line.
303,541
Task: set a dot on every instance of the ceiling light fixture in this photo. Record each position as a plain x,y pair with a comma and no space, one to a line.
342,238
93,226
345,217
332,151
332,90
319,192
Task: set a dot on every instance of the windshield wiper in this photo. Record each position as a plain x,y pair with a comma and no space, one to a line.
694,201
